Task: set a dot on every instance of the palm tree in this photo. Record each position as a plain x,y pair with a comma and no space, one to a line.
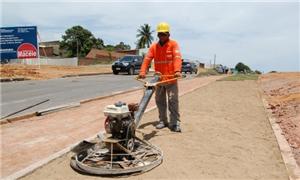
144,36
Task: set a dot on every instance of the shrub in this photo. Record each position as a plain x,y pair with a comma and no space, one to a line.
241,67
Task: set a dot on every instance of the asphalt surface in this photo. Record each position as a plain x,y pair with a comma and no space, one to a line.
16,96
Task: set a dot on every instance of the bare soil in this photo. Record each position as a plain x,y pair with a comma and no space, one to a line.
226,135
48,72
282,91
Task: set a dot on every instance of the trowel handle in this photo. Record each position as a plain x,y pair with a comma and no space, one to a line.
160,82
169,80
141,80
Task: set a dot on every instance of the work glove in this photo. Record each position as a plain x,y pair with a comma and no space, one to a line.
141,76
177,75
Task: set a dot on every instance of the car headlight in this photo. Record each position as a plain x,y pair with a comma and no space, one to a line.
125,63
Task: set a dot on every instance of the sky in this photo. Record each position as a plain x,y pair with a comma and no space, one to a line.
262,35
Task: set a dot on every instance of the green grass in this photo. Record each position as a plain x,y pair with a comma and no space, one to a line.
208,72
240,77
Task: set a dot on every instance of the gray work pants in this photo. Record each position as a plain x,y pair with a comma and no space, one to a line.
161,94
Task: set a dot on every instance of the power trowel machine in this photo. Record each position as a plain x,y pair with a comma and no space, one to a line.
119,151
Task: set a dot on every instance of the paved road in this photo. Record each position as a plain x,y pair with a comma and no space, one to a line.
16,96
19,95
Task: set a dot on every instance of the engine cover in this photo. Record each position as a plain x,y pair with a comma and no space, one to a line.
119,110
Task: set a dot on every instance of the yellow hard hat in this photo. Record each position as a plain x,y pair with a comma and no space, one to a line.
163,27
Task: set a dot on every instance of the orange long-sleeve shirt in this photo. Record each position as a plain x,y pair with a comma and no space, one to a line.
167,59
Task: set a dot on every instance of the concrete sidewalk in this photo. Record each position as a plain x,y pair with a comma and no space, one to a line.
32,140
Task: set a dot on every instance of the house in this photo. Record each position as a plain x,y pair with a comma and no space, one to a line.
97,56
104,54
49,48
140,52
132,51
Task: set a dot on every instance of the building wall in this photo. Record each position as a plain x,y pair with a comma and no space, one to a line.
46,51
47,61
133,52
88,61
53,44
201,65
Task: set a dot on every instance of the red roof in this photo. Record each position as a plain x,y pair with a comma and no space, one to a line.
97,53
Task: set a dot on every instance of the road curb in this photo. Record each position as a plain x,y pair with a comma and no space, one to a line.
64,107
3,80
87,74
291,165
13,79
111,95
293,170
11,120
56,108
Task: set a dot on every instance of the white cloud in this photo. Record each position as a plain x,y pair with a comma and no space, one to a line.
263,35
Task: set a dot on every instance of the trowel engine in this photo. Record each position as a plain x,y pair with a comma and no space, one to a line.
120,123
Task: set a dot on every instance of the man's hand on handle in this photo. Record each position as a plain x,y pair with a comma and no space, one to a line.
141,76
177,75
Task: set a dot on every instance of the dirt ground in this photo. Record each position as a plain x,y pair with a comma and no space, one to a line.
226,135
47,72
282,91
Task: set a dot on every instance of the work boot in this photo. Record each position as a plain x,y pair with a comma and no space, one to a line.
161,125
175,128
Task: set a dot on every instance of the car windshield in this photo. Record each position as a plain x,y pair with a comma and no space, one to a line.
185,63
126,59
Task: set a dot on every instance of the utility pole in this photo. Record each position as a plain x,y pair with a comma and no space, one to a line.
77,49
215,57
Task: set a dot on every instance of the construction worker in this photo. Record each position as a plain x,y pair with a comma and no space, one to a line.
167,61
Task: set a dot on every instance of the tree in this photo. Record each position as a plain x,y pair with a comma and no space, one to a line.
240,67
118,47
144,36
109,47
257,72
122,46
79,39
